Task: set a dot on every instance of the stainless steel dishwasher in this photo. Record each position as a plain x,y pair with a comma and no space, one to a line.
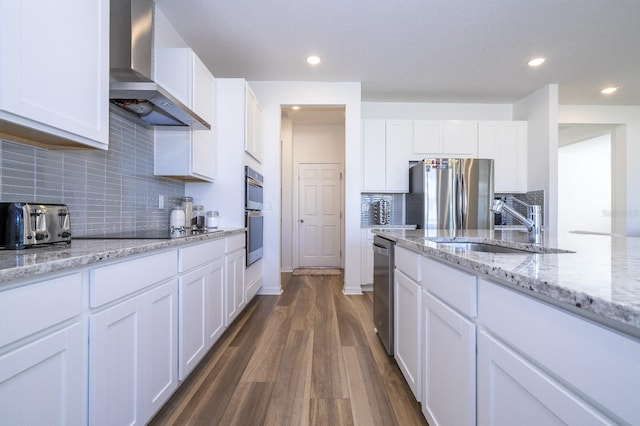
383,263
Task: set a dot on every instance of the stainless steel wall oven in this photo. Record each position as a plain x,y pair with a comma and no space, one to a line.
254,221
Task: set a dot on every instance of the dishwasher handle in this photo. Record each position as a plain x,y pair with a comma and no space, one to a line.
380,250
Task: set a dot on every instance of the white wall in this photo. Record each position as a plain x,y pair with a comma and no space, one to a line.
163,32
540,109
626,153
435,111
272,96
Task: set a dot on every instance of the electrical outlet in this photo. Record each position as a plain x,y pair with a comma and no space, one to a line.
161,201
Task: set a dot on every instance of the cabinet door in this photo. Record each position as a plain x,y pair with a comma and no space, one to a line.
54,68
116,354
399,144
214,321
449,390
43,382
253,123
161,346
366,256
460,138
512,391
373,155
407,329
203,90
203,160
235,297
506,143
427,137
191,322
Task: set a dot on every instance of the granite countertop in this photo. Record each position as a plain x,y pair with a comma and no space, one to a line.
599,279
28,263
389,226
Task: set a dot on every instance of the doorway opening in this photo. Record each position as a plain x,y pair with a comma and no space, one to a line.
312,176
590,179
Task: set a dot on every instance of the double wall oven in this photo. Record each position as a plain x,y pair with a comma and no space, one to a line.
254,220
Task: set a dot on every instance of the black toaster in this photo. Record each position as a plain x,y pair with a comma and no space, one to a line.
25,225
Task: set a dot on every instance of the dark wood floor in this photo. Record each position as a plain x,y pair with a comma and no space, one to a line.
307,357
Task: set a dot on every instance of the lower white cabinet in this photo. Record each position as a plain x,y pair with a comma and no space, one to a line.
512,391
407,329
366,257
449,339
43,353
43,382
133,357
201,301
235,266
449,368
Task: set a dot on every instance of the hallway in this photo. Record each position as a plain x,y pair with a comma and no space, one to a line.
308,356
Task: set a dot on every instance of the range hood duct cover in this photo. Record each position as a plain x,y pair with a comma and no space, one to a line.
131,88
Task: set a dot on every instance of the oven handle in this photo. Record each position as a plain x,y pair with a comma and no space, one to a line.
252,181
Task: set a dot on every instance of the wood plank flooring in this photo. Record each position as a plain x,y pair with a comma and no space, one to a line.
307,357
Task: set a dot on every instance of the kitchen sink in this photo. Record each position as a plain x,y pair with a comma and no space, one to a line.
488,248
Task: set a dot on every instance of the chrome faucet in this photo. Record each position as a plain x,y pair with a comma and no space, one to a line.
533,221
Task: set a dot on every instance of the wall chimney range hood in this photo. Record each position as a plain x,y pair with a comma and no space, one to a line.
131,89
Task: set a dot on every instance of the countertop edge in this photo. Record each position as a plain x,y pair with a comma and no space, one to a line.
619,316
62,258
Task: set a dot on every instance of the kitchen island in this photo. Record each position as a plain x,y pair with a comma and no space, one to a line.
550,334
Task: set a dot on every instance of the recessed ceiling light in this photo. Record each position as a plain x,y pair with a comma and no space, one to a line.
313,60
609,90
535,62
295,107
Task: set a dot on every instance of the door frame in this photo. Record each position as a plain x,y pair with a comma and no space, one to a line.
296,212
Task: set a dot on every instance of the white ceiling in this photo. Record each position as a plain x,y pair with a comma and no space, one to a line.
424,50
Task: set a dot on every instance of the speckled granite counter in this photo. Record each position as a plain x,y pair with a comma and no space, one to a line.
600,280
28,263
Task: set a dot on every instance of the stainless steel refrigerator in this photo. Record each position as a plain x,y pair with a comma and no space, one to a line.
450,193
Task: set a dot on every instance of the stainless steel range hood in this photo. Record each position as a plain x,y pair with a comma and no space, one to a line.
131,89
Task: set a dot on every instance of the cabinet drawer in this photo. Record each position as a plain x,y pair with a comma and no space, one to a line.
115,281
454,287
34,307
598,364
199,254
409,263
235,242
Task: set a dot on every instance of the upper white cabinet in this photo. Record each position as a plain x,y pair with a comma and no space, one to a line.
54,72
187,155
452,138
506,143
386,148
253,125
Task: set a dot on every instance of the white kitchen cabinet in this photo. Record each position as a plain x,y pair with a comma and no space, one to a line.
235,265
374,156
511,391
133,338
407,317
200,302
43,353
450,138
54,72
449,345
386,149
506,143
189,155
366,256
253,125
532,359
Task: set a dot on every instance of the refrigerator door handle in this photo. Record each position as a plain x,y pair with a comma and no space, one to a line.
459,204
463,202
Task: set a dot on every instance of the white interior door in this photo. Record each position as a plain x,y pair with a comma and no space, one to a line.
319,215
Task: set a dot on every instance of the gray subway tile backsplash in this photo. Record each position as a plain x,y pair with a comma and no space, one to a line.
111,191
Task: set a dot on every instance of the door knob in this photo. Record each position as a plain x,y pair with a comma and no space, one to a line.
301,220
